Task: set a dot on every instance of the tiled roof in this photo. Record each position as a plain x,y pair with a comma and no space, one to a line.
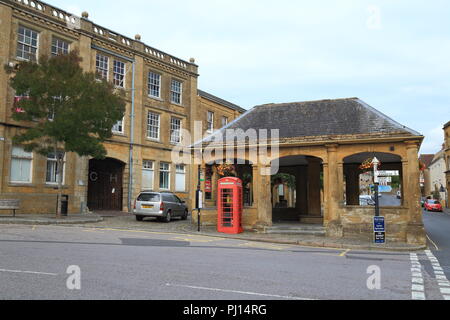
426,159
319,118
218,100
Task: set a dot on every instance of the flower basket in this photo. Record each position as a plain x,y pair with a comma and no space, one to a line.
368,165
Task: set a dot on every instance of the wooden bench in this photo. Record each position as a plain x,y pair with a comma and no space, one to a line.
10,205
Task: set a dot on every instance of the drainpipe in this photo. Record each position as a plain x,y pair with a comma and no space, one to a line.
132,117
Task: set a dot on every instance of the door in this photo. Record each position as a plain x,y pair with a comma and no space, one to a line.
105,191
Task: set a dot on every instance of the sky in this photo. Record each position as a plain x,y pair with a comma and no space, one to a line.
393,54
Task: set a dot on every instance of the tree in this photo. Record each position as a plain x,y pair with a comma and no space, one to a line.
67,110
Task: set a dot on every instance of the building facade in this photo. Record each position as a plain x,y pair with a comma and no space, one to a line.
162,98
447,161
425,178
437,175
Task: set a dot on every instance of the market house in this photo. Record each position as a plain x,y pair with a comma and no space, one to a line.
323,146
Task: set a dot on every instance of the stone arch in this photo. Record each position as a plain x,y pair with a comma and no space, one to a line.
359,182
105,188
309,188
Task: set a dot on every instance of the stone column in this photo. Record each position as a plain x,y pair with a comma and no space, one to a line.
415,231
333,185
263,195
352,184
314,205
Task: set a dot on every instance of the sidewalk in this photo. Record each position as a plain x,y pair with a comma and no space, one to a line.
128,222
50,219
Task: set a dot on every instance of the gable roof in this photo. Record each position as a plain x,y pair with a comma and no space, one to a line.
337,117
426,159
218,100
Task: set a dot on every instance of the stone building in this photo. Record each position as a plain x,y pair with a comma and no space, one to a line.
437,175
447,161
425,179
161,99
323,144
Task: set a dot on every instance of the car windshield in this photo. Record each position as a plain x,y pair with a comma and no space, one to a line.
433,202
149,197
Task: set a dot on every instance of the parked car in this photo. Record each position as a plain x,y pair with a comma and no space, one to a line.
366,201
399,194
161,205
433,205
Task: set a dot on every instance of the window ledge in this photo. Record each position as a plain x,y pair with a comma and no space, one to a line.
156,98
21,184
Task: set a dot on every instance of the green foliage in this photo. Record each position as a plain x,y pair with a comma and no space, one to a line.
83,109
396,181
284,178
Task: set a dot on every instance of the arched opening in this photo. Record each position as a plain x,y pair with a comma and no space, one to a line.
297,190
241,169
105,190
359,179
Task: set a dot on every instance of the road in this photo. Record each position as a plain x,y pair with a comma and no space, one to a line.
438,229
121,264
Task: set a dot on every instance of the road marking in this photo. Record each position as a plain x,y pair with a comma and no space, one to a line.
439,274
263,245
418,296
29,272
191,239
239,292
417,282
343,254
434,244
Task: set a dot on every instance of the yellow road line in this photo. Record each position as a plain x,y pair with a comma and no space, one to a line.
343,254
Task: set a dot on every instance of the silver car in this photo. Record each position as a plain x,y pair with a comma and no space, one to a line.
161,205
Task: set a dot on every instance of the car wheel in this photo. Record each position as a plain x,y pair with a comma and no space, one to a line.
185,215
139,218
168,217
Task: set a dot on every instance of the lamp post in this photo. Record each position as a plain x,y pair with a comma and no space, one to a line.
375,163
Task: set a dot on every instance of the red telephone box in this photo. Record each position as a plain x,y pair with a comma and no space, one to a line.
230,203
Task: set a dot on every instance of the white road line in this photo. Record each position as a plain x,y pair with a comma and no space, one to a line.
418,295
417,286
442,280
29,272
434,244
239,292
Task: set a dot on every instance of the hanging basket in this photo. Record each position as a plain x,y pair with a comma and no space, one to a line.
226,170
368,165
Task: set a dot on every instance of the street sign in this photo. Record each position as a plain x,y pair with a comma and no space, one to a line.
379,229
380,237
384,173
379,224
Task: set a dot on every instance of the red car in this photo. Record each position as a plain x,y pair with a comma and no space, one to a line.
433,205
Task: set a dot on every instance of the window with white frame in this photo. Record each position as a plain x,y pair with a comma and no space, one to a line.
210,122
118,127
52,176
153,122
164,176
176,91
21,165
102,65
59,46
175,130
148,174
27,44
180,179
154,85
119,74
224,121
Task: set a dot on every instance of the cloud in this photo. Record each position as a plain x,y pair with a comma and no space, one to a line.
434,139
